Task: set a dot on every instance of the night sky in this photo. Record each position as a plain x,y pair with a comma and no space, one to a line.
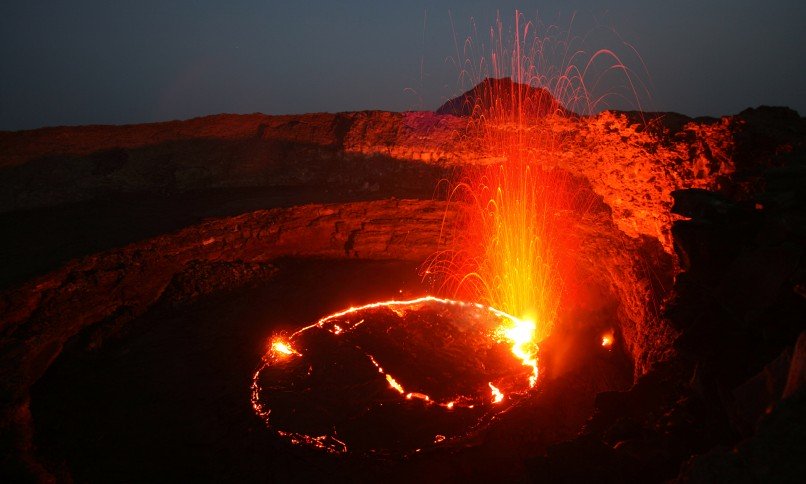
109,62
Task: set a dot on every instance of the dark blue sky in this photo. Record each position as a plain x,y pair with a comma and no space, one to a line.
83,62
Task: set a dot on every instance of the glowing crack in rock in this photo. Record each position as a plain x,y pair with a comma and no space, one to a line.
395,376
393,383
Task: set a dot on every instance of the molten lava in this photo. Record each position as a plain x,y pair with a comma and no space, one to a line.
607,341
281,349
425,371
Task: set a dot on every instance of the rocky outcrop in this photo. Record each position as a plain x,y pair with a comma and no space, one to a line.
728,402
635,168
503,96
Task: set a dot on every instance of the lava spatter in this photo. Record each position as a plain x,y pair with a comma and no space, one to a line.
395,376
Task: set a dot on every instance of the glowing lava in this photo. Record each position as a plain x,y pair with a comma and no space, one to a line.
497,395
607,341
522,334
427,370
281,349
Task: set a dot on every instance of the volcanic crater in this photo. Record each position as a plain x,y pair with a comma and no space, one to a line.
149,269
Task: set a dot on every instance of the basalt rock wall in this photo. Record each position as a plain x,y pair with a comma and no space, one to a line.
633,161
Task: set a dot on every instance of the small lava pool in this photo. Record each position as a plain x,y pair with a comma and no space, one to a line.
395,376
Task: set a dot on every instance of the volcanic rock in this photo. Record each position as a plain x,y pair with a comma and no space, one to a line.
633,162
796,379
503,96
772,455
718,408
202,278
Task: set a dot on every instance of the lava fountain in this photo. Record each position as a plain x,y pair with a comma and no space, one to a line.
399,376
510,246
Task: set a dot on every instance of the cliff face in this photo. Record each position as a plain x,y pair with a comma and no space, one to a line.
633,162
